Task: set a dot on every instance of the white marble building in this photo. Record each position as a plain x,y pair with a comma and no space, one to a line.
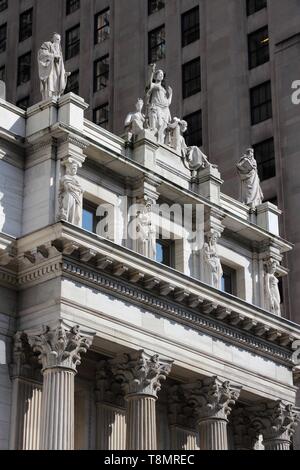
104,347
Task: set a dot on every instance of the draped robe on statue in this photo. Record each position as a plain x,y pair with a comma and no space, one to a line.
52,72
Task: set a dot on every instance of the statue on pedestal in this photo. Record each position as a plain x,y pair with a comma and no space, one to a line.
272,293
252,194
214,271
70,195
159,100
193,157
135,122
146,241
53,77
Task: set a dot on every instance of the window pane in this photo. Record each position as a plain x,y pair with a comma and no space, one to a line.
157,45
255,5
72,5
73,42
228,283
265,157
258,47
101,116
3,4
193,135
3,31
164,252
190,26
73,83
261,103
25,29
88,220
102,26
101,73
155,5
191,80
24,68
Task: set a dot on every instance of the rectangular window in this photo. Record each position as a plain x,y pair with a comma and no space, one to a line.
258,47
157,44
72,5
265,157
261,103
101,73
193,135
3,32
165,252
89,219
3,5
101,115
191,78
102,26
155,5
25,28
190,26
72,42
23,103
229,280
24,68
255,5
2,73
73,83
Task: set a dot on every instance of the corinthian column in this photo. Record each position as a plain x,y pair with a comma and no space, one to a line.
277,423
141,376
59,352
212,400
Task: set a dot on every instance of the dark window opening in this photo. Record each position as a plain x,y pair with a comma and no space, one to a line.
229,280
102,26
190,26
261,103
258,47
157,45
101,73
72,42
2,73
193,136
265,157
165,252
3,35
3,5
155,5
24,68
73,83
191,78
101,115
72,5
25,30
255,5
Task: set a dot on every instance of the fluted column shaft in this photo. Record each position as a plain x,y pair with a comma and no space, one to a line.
25,419
277,444
57,427
183,439
213,434
111,427
141,422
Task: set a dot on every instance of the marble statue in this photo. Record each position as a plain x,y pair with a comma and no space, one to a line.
214,271
193,157
159,100
252,194
146,242
135,122
272,293
53,77
70,195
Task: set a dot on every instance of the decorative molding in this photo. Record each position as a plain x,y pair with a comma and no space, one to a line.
60,347
140,373
211,398
108,389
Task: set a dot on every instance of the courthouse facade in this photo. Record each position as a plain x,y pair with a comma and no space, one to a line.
105,344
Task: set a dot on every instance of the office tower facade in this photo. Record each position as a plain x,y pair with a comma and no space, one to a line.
230,63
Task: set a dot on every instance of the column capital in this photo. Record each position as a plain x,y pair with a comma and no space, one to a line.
244,434
60,347
25,363
211,398
179,411
275,420
140,373
108,389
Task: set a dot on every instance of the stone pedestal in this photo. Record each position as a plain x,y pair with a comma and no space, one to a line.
212,401
60,351
141,375
268,217
208,184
